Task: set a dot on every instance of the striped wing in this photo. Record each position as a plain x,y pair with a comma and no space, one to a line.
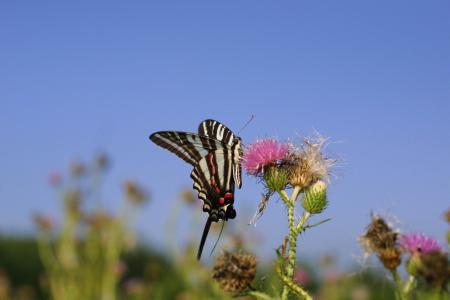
188,146
213,176
218,131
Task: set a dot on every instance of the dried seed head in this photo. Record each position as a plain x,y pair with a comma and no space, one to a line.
381,239
234,271
134,193
390,257
435,269
379,236
306,164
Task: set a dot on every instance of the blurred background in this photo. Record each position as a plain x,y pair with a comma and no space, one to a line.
82,80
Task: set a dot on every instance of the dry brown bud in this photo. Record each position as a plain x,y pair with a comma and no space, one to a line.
234,271
390,257
134,193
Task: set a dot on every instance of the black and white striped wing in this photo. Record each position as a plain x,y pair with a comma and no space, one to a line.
188,146
218,131
212,178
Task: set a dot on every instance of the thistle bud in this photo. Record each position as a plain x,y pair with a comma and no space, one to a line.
276,178
315,198
435,269
414,263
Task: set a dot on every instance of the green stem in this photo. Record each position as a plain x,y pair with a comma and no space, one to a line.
287,277
294,287
260,295
409,285
399,294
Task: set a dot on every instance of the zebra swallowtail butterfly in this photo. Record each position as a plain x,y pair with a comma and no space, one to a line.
215,153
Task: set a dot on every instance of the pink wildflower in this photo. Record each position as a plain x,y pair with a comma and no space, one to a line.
419,243
301,276
262,154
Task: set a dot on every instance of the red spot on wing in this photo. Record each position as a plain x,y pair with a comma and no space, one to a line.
228,196
221,201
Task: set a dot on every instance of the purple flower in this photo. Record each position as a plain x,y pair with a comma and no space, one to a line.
262,154
419,243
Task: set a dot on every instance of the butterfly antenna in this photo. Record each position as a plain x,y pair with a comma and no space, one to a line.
218,238
204,235
246,124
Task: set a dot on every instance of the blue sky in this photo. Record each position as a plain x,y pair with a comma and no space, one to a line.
81,77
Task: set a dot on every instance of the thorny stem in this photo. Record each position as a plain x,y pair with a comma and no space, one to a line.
293,286
409,286
402,290
294,231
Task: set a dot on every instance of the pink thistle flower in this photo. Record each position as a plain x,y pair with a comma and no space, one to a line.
263,153
419,244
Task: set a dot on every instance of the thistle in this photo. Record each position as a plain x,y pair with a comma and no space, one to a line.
434,267
304,168
379,238
262,154
275,178
426,259
418,243
306,163
234,271
315,199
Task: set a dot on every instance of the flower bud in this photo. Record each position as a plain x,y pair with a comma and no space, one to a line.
413,264
315,198
435,269
276,178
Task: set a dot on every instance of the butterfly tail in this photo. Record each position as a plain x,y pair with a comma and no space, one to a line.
204,235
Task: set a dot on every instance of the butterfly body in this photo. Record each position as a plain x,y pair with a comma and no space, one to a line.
215,153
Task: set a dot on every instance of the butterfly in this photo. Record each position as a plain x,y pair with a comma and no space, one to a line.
215,153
